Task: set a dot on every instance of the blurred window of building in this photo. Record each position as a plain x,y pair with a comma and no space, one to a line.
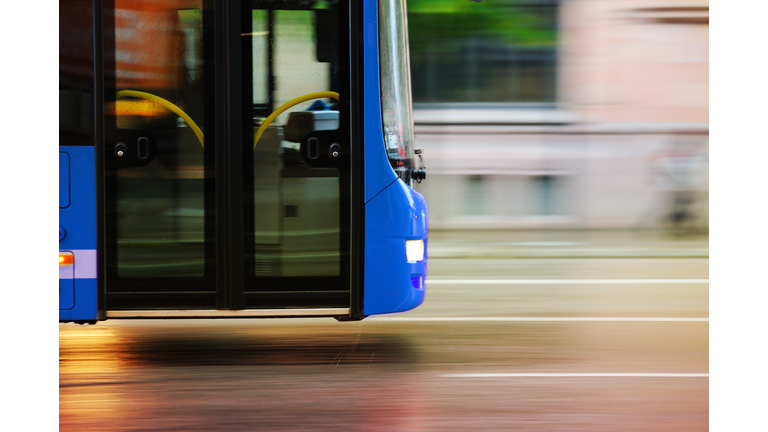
545,195
475,202
501,51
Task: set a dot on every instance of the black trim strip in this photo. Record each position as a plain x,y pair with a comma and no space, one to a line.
237,112
229,188
357,172
220,109
98,138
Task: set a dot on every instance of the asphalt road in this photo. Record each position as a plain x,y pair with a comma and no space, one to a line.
500,344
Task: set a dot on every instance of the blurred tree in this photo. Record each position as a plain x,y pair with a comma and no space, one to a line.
513,22
494,51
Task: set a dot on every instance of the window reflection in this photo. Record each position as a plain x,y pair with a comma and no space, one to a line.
296,212
159,218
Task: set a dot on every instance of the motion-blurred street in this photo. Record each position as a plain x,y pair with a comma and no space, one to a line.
519,331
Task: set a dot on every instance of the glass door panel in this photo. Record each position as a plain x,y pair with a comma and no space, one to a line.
158,176
159,158
297,186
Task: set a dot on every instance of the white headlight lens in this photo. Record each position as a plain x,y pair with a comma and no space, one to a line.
414,250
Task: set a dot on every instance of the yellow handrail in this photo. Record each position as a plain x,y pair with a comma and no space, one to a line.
167,104
199,133
289,104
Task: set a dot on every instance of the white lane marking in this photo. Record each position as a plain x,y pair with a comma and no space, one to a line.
563,281
577,375
543,243
523,319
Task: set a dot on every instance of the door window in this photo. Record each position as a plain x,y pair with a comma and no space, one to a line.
299,199
160,149
155,151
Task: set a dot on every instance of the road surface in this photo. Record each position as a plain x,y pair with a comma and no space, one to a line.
500,344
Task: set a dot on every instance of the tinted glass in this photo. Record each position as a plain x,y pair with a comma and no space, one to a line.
298,200
157,112
395,83
296,212
76,83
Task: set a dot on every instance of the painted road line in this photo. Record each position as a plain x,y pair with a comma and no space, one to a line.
524,319
562,281
577,375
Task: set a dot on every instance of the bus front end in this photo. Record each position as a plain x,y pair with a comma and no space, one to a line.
396,215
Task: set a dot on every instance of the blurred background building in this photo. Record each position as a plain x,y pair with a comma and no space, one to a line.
562,114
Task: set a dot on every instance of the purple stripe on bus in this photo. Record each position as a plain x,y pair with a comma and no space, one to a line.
84,267
66,271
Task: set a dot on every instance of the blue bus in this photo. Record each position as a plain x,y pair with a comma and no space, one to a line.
225,159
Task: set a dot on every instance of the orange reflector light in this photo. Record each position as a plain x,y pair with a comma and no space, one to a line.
66,258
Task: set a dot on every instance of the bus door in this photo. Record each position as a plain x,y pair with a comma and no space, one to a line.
297,188
227,156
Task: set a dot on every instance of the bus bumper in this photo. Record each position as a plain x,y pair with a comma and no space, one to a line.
392,282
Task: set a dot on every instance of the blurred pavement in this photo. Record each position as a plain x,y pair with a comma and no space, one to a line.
565,244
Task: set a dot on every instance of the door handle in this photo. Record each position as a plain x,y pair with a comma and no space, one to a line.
142,148
322,149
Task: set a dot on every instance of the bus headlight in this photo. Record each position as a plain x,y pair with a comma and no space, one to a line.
414,250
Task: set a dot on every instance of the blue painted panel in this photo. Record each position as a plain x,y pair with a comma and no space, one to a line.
66,293
378,171
392,284
86,306
63,180
78,221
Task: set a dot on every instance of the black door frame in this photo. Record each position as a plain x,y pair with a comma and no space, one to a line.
228,166
325,291
357,170
227,120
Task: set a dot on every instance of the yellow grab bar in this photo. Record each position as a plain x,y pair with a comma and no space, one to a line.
289,104
178,111
167,104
